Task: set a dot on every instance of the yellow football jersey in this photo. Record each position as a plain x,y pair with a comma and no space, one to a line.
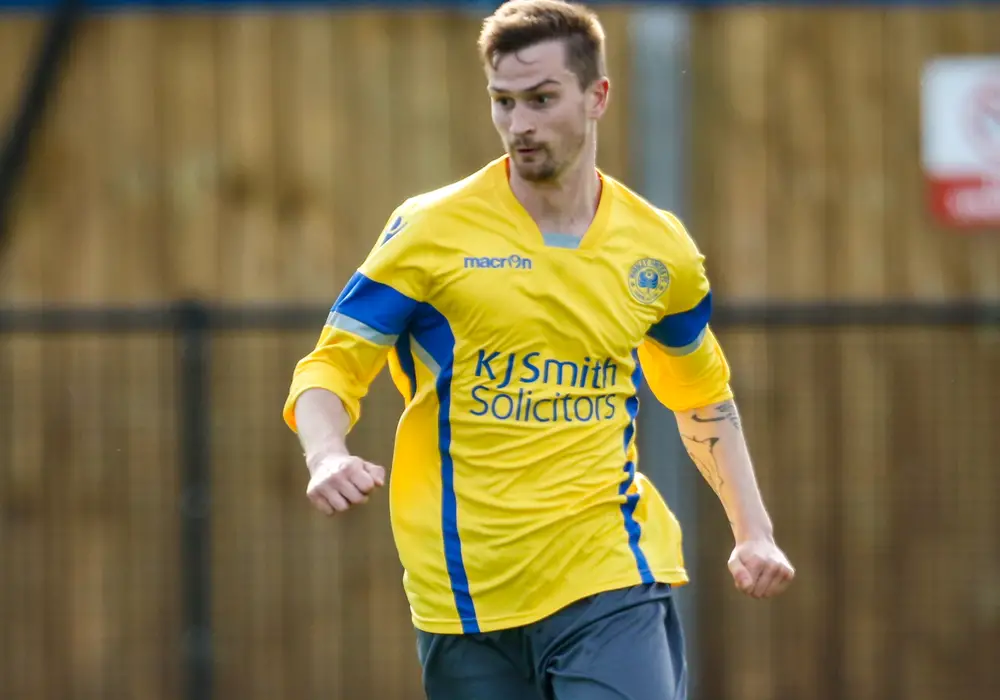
514,489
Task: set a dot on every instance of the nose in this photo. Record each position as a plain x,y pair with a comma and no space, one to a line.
521,121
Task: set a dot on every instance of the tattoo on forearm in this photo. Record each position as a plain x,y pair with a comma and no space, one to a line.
725,411
729,411
702,453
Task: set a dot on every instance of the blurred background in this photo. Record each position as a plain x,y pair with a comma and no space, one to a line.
185,187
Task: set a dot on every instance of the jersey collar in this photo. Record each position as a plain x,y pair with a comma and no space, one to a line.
598,226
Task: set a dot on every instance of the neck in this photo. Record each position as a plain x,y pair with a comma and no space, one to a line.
566,205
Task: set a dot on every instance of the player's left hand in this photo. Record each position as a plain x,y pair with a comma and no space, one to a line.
760,569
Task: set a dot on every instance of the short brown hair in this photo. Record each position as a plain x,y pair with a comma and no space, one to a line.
518,24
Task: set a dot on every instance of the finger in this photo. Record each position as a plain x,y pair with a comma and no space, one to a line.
321,503
337,501
749,569
377,473
741,575
362,480
778,586
350,492
768,577
755,565
784,579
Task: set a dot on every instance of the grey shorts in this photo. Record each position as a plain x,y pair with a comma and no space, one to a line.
620,645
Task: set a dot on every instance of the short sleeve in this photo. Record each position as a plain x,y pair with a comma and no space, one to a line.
681,358
372,310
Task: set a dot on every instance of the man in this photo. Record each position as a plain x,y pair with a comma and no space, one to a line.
518,310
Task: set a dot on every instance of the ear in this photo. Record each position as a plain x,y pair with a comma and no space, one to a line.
598,95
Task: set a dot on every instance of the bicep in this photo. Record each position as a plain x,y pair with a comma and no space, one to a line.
681,358
681,333
362,327
685,368
345,360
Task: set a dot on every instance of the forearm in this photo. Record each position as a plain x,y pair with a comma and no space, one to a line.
322,423
713,437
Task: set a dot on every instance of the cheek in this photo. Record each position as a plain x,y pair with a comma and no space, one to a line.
569,123
500,120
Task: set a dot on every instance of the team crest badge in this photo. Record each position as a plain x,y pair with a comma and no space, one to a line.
648,280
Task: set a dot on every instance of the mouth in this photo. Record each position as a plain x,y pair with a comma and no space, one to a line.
527,151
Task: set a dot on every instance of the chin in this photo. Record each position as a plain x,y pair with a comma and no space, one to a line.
536,172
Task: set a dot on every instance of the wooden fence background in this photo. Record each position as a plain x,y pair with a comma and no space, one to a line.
874,446
254,157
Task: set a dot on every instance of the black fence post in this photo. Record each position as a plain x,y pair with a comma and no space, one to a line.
192,328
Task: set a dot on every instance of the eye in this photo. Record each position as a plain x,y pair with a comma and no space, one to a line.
504,102
542,100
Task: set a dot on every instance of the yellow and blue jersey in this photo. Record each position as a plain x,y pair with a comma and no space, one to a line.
514,487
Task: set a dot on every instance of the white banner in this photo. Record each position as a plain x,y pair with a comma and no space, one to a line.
961,139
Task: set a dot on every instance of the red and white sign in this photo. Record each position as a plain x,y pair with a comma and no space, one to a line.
961,140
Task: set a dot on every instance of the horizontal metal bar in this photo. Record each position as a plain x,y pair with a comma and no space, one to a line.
157,318
301,317
839,315
79,320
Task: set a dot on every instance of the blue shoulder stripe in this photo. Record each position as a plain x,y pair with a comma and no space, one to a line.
375,305
683,330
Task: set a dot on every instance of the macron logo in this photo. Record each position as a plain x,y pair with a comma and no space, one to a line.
397,226
514,262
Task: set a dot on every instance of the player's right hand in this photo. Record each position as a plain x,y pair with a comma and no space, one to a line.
341,481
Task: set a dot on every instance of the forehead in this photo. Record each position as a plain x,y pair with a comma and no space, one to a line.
530,66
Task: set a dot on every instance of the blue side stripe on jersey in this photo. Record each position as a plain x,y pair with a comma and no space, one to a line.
405,356
680,330
632,527
374,304
431,330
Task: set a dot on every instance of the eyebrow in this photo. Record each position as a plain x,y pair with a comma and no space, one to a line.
493,88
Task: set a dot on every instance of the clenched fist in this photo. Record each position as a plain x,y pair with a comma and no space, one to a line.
341,481
760,569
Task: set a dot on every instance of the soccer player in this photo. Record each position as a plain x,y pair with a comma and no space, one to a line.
518,310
